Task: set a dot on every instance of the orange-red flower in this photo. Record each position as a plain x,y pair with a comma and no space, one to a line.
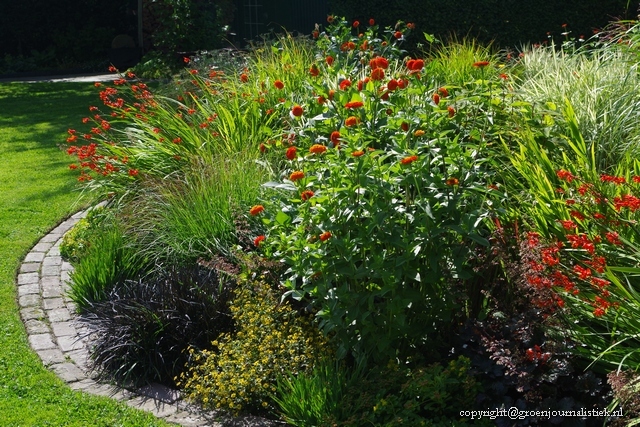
353,104
397,35
330,19
325,236
408,160
452,181
418,133
347,46
436,98
344,84
244,78
372,22
306,195
133,172
356,24
278,84
357,153
443,92
392,85
314,71
297,111
296,175
351,121
379,62
335,137
329,59
291,153
377,74
317,149
480,64
415,65
451,110
404,126
258,240
256,210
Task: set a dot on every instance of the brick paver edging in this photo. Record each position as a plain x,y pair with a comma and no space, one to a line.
48,315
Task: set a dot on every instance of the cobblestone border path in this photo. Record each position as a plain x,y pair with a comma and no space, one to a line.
48,315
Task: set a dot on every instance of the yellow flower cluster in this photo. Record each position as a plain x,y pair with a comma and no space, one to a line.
271,339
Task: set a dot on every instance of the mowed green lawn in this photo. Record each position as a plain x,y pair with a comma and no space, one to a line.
37,190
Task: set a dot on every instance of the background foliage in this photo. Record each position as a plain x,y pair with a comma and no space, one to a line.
507,22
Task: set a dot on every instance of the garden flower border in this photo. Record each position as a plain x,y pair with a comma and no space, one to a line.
48,316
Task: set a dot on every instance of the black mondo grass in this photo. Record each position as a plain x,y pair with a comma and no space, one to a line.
139,333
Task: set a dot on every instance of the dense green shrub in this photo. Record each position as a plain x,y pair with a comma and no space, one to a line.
385,191
141,330
271,339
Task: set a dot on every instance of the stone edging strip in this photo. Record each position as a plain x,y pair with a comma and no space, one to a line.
48,315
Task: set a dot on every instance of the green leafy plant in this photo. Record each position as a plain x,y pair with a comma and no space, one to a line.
384,194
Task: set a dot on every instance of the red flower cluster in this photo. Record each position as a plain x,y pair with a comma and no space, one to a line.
353,104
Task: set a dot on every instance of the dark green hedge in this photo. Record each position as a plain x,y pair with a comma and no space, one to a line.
505,22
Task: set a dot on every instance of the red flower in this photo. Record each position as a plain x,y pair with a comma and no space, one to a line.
296,175
480,64
377,74
404,126
568,225
372,22
397,35
379,62
436,98
258,240
408,160
186,60
335,137
278,84
262,147
356,24
321,100
314,71
330,19
452,181
357,153
351,121
415,65
344,84
353,104
329,60
451,110
306,195
291,153
565,175
133,172
317,149
613,238
403,83
443,91
244,78
325,236
256,210
297,111
392,85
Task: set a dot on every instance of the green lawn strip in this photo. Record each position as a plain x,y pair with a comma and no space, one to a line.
37,190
